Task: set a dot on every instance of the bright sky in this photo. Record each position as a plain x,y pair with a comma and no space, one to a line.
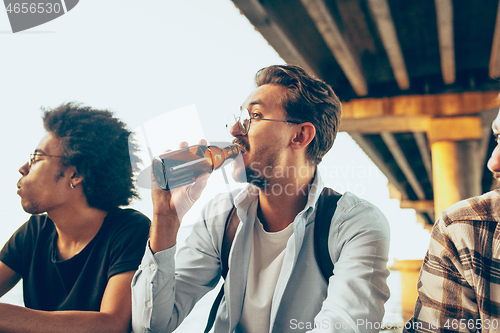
143,60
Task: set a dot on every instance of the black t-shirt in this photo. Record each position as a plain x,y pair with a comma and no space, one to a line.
79,282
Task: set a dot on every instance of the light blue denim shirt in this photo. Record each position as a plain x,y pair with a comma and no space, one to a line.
165,290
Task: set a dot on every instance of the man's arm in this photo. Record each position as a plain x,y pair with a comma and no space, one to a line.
169,207
114,315
446,301
357,290
8,278
157,270
165,290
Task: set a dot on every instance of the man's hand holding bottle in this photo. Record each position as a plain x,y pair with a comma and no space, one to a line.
170,206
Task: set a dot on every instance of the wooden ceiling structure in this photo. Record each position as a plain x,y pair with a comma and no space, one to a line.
416,79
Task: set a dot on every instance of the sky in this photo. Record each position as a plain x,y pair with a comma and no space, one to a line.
146,59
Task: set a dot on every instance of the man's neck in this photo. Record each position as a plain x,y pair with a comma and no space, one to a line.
280,203
76,226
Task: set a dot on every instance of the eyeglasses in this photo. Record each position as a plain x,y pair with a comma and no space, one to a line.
244,120
34,156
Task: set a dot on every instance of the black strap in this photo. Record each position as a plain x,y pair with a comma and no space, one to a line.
213,310
232,222
327,204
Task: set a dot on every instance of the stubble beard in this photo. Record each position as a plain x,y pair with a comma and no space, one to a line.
253,178
31,208
253,174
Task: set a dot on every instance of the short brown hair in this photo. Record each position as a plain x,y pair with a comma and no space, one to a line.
307,100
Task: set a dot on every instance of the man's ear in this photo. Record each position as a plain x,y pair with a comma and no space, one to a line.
76,178
304,135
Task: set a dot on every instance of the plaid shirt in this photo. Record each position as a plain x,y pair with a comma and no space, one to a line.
459,284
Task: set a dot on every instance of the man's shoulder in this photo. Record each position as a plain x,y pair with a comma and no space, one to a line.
129,216
352,203
123,221
485,207
356,212
124,226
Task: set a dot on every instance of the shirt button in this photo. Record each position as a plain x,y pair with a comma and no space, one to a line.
153,267
149,304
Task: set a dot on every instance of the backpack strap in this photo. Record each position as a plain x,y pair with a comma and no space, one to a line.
326,206
232,222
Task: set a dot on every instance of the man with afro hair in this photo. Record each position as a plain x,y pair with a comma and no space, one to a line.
78,251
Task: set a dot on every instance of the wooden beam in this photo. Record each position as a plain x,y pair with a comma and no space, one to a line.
444,13
393,124
425,152
387,31
447,185
437,129
494,69
403,164
424,208
276,37
394,193
419,205
426,220
333,38
455,129
452,104
374,155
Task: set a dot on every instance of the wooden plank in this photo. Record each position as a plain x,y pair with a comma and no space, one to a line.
494,67
451,104
276,37
444,13
425,152
391,124
419,205
374,155
403,163
333,38
455,129
387,32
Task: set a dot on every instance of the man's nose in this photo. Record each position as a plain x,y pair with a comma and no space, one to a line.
25,169
236,129
494,161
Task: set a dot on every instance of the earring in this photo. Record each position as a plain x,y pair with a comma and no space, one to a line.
71,185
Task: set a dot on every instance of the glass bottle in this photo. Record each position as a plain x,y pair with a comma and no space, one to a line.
181,167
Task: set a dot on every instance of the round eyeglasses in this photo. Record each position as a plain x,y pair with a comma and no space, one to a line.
34,157
244,120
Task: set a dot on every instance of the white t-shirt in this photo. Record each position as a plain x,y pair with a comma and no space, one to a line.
266,259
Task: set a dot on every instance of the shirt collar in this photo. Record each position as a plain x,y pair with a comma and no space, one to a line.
315,190
251,193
